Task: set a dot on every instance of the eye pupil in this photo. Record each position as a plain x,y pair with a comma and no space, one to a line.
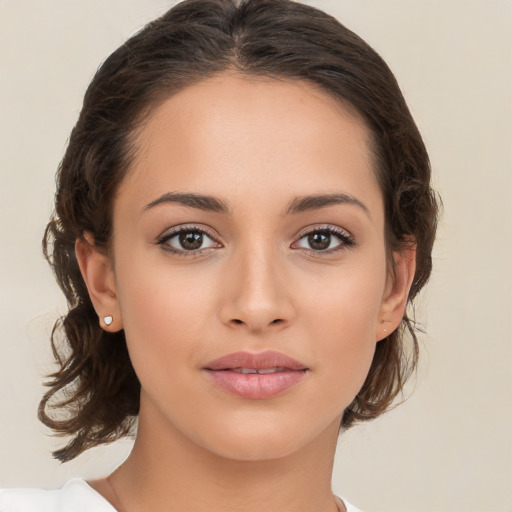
191,240
319,240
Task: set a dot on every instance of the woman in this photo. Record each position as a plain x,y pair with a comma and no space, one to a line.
242,215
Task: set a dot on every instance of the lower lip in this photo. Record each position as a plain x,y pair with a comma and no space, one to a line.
254,385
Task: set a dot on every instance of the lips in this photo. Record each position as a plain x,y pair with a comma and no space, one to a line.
256,376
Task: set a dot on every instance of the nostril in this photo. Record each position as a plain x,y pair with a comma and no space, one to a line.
237,321
277,321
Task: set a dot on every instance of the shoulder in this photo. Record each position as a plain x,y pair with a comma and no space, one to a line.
348,506
75,496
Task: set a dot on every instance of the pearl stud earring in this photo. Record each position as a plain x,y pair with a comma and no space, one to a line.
108,319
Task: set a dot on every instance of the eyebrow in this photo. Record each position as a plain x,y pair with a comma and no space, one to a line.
317,201
199,201
297,205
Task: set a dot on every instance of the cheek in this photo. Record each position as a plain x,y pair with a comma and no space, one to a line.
347,300
163,314
341,318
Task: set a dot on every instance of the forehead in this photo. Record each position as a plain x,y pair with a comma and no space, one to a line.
232,133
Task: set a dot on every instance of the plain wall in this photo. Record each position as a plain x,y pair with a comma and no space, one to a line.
449,447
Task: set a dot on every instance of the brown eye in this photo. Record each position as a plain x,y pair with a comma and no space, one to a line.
325,240
319,240
187,240
191,240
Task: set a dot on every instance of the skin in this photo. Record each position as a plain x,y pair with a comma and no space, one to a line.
257,145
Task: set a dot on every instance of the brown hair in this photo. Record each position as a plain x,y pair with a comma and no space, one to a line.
95,384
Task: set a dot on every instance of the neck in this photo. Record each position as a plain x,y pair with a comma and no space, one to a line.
168,472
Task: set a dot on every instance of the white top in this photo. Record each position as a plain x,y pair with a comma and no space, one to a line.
76,496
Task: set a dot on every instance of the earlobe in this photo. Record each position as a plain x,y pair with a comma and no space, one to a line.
98,275
397,289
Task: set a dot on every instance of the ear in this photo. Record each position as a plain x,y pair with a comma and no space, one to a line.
395,296
98,275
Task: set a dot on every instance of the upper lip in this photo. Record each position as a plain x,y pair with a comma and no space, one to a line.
258,361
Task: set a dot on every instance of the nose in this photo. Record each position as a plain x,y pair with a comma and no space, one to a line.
256,294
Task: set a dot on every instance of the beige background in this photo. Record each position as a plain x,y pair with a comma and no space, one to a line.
449,447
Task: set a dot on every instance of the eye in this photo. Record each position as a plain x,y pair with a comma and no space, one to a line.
187,240
325,240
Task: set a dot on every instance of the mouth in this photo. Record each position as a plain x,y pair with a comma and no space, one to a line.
256,376
262,371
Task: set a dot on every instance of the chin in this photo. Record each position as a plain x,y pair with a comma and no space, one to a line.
258,449
260,441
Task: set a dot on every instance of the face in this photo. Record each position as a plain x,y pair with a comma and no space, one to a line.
251,221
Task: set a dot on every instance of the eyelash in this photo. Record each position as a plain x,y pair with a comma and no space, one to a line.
346,240
163,241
